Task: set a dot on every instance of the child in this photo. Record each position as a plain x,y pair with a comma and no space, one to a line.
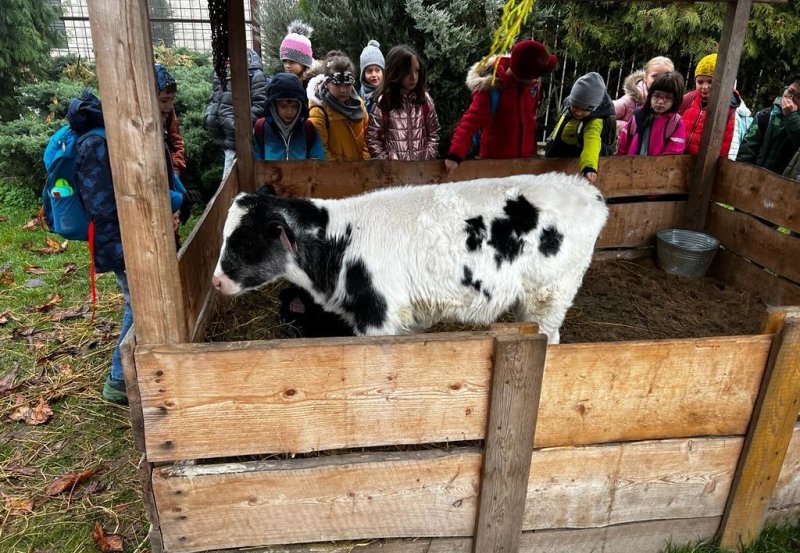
579,130
295,50
636,87
403,125
285,132
337,112
503,105
656,129
694,116
167,88
372,66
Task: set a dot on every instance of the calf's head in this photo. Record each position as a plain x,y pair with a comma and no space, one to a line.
257,242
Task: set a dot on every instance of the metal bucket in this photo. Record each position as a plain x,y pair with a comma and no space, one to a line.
685,252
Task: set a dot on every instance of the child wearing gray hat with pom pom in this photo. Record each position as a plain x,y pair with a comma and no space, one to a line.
372,65
587,126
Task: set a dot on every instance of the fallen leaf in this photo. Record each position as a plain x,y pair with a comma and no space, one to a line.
18,505
69,269
52,247
7,383
52,300
72,350
6,277
33,224
68,482
34,283
34,270
95,486
68,313
23,331
107,543
38,415
6,316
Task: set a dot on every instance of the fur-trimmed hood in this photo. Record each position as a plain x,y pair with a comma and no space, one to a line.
479,77
634,86
313,88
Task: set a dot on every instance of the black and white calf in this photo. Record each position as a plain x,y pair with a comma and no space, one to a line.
399,260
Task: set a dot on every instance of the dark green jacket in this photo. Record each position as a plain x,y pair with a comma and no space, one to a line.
772,139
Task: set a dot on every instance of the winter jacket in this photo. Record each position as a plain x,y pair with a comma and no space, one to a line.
580,138
93,178
695,117
634,97
408,133
667,136
744,118
219,112
511,131
175,142
772,140
343,138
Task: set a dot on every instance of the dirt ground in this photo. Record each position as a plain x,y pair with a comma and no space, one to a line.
619,300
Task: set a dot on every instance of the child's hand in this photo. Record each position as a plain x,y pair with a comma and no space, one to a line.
787,105
591,176
450,165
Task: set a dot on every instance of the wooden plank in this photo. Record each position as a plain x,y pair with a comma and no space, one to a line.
240,89
199,255
607,392
434,493
742,273
145,471
635,537
775,316
212,400
787,489
635,225
747,237
729,52
136,148
767,440
621,176
516,387
758,192
126,349
628,254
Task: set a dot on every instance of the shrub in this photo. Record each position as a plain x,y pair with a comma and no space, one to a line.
22,143
50,99
15,197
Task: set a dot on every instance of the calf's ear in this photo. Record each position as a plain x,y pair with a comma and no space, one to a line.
285,235
267,190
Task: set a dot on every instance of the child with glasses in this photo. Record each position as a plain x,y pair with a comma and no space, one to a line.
403,125
337,112
656,129
773,140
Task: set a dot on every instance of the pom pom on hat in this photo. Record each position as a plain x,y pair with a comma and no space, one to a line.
706,66
372,55
297,44
530,60
588,92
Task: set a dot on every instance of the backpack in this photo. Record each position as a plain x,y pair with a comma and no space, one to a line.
608,134
494,101
62,205
311,134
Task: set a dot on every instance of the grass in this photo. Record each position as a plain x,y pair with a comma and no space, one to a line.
64,362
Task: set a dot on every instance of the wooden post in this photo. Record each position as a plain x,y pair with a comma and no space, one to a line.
240,89
516,387
768,436
728,55
124,53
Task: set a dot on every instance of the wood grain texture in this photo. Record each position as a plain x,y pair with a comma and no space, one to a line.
121,34
775,316
767,441
126,349
240,89
636,537
619,176
758,192
635,225
731,42
435,493
199,255
737,271
787,489
749,238
516,387
212,400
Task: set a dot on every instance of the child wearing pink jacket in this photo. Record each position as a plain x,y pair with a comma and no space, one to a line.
656,129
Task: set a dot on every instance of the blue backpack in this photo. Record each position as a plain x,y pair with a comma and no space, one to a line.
61,203
494,101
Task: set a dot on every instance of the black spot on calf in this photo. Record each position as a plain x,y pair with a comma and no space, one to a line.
476,233
363,301
467,280
521,218
321,258
305,318
550,241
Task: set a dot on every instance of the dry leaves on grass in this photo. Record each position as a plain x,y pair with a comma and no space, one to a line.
52,300
68,482
6,277
52,247
7,382
107,543
31,415
69,313
35,270
18,505
6,316
33,224
60,352
69,269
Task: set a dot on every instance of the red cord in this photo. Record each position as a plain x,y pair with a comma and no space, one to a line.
92,285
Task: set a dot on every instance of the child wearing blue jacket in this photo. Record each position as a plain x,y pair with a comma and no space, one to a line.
285,131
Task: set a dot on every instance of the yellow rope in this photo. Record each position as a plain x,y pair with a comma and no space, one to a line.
515,13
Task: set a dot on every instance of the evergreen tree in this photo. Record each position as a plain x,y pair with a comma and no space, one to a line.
27,34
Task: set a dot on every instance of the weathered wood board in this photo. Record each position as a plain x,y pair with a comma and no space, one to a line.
745,275
634,225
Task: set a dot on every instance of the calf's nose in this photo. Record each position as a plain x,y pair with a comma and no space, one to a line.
216,282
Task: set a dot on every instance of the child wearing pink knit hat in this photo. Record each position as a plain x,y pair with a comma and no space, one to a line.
295,51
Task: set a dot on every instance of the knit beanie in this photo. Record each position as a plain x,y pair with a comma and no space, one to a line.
163,78
706,66
530,60
297,46
372,55
588,92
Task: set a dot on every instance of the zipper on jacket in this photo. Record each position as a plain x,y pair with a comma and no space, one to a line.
521,89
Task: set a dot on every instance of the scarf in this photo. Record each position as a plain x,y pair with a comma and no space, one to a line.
284,128
367,90
350,109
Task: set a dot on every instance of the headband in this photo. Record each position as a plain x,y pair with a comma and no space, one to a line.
340,77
